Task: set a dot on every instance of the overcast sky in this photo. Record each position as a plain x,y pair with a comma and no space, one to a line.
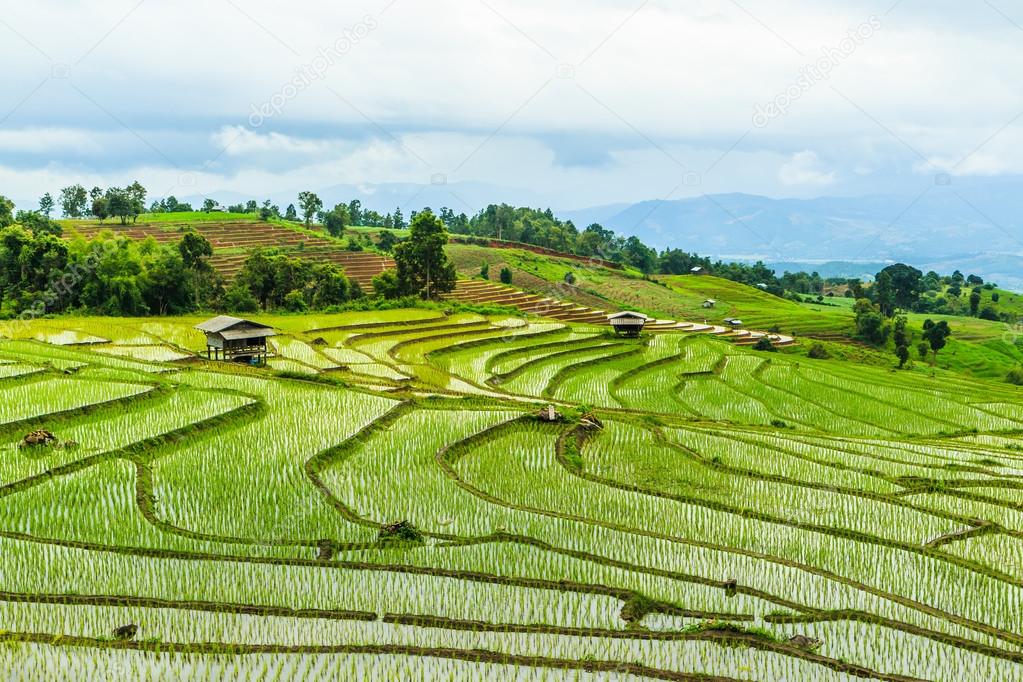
580,103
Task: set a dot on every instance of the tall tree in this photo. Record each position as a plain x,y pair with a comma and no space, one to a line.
974,300
73,201
337,219
423,268
310,204
355,212
195,249
46,204
136,194
883,293
119,204
6,212
936,334
899,286
101,208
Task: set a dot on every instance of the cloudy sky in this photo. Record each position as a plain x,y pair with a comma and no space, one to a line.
575,103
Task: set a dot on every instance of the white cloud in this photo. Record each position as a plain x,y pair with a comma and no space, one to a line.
443,77
50,140
804,168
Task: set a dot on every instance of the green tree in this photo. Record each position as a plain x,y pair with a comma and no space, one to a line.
119,204
902,353
398,220
989,313
257,276
290,213
195,251
422,264
310,204
73,201
239,299
906,285
386,241
294,301
355,212
901,334
1015,376
936,334
923,349
267,211
974,301
136,194
336,220
101,208
208,205
870,324
46,204
386,284
506,276
329,286
6,212
883,294
485,271
38,223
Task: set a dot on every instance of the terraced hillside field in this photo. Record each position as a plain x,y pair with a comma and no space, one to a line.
234,240
382,502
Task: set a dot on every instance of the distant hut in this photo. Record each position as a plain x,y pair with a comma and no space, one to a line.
697,270
628,323
234,339
709,303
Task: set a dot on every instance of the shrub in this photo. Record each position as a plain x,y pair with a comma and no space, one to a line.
485,271
569,278
989,313
764,344
386,284
818,352
1015,376
294,301
239,299
506,275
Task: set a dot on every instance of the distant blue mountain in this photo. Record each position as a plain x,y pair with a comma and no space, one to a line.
973,226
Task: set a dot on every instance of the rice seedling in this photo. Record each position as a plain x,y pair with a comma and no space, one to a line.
255,525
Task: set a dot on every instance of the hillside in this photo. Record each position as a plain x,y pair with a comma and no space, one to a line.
978,347
235,236
384,489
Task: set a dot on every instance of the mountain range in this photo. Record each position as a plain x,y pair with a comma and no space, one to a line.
974,225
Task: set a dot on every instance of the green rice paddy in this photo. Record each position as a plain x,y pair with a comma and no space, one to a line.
723,514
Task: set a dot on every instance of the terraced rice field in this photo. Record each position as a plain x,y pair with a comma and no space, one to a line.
735,516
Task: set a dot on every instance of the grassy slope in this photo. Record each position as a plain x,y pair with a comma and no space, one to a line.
978,348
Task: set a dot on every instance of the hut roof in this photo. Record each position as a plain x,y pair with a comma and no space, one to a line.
247,333
627,315
223,324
